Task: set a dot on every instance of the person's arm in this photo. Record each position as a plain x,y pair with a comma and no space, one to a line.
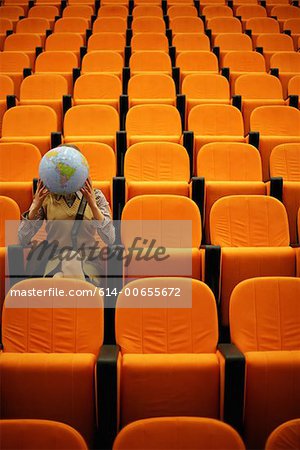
33,218
101,212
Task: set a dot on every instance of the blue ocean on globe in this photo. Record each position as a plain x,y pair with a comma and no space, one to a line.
63,170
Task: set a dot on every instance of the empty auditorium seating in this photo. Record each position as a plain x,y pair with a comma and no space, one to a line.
246,12
84,11
151,88
19,166
150,61
72,25
147,11
178,433
103,62
97,88
261,25
23,42
286,435
67,345
292,26
228,169
264,319
149,41
284,12
6,25
253,233
13,65
219,25
275,125
182,10
257,89
113,11
294,87
191,41
186,25
209,12
59,62
12,13
33,124
148,24
36,25
288,65
49,12
114,42
240,62
285,163
212,123
71,42
272,43
169,351
39,435
196,61
7,88
110,24
95,123
228,42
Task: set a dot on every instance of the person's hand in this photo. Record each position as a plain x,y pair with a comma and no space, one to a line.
39,196
89,194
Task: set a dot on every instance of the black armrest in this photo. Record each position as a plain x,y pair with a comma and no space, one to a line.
88,34
169,35
172,54
119,185
294,101
75,74
263,3
164,7
93,18
121,150
198,192
216,51
97,6
248,32
203,18
254,138
30,4
56,139
167,21
233,385
213,268
107,395
180,104
127,54
56,18
34,185
274,71
9,32
176,78
225,71
197,6
83,51
63,5
129,20
11,101
27,72
288,32
188,143
38,51
67,103
276,187
230,3
208,33
125,79
237,101
128,36
114,284
130,6
123,110
259,50
48,32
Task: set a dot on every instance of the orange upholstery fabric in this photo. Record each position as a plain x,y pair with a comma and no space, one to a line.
60,62
105,61
97,88
151,88
288,64
286,436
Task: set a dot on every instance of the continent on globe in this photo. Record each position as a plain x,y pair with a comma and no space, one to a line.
65,172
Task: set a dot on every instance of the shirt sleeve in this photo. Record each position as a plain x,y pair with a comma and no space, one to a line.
105,228
28,228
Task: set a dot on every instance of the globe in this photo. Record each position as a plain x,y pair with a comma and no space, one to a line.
63,170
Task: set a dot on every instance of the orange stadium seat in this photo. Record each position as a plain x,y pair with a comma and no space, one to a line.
275,125
24,42
218,25
33,124
113,11
6,26
246,12
178,433
151,88
84,11
147,11
19,166
228,42
7,88
12,13
72,25
196,61
36,25
292,26
70,42
110,25
264,318
148,24
271,3
284,12
272,43
285,163
211,11
66,391
191,41
49,12
150,61
13,65
294,87
24,4
182,11
261,25
102,62
228,169
238,63
187,24
149,41
287,435
39,435
287,65
98,88
114,42
253,233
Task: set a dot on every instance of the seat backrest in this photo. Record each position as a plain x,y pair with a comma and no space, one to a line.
70,324
110,24
178,433
275,42
197,61
85,11
13,61
7,86
164,328
11,12
191,41
101,159
113,11
255,86
148,24
30,120
275,121
107,41
212,11
265,314
294,85
97,86
285,162
147,11
293,25
44,86
182,11
155,85
64,41
102,61
206,85
260,25
233,41
39,435
187,25
234,161
150,61
157,120
19,161
5,24
286,61
9,210
149,41
249,221
56,61
22,42
71,24
285,12
156,161
216,120
47,11
248,11
162,213
91,120
33,25
224,25
244,61
285,436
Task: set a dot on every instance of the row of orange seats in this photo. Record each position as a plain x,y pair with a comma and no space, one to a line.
166,361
